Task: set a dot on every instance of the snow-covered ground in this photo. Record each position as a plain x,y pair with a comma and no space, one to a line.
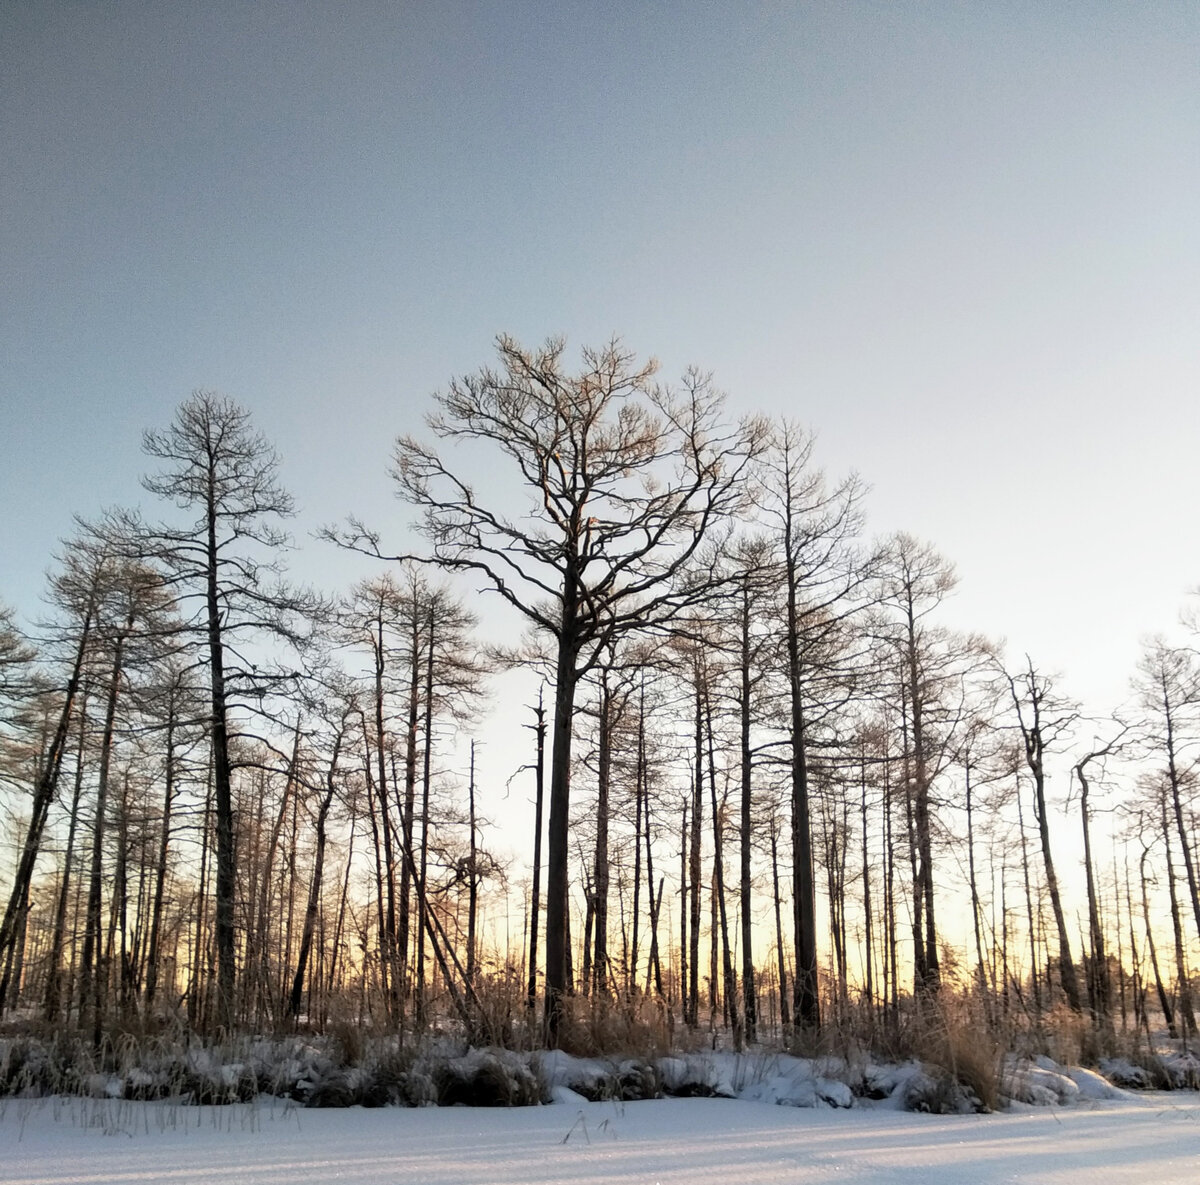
1152,1139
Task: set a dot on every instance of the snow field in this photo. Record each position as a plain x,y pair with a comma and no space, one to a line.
1150,1139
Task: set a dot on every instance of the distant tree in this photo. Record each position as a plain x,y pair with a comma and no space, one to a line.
624,480
1168,686
539,774
173,703
1099,979
425,668
18,688
82,580
1044,719
812,524
929,663
369,617
335,706
132,608
753,633
985,759
613,679
16,658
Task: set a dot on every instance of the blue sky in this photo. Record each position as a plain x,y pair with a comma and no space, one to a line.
958,240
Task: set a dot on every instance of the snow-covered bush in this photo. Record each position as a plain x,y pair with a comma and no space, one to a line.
601,1079
936,1091
1040,1082
957,1071
696,1076
488,1078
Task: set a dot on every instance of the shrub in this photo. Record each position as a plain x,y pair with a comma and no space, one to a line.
487,1078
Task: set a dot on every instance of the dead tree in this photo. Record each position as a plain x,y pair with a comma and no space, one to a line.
1042,720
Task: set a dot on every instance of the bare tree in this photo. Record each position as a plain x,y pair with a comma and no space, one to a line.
336,708
812,524
1043,720
224,567
624,478
81,583
1168,684
931,664
1099,981
16,657
132,602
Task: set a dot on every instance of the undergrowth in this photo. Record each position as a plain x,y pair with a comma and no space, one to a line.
957,1058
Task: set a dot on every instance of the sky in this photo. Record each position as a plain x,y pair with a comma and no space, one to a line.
959,241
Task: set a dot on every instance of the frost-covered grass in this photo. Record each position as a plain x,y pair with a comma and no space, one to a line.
935,1060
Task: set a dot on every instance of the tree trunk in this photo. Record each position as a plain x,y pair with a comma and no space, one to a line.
196,994
558,837
868,941
1033,947
389,954
891,975
410,795
314,888
1098,981
472,876
730,993
160,868
91,994
785,1017
1164,1000
655,968
339,928
749,1001
535,901
805,999
981,976
1187,1014
692,1009
929,971
53,999
684,897
600,878
1066,965
641,814
426,780
222,781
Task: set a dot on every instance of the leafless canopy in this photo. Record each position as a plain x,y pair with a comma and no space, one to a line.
623,476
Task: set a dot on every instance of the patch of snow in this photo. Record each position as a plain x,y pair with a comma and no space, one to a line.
1184,1070
1041,1082
1092,1086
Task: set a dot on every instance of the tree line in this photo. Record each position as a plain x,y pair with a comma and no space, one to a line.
775,795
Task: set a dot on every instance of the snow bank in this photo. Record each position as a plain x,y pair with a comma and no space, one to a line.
315,1073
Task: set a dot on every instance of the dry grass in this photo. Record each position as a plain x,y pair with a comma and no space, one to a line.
357,1060
973,1057
602,1027
949,1036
